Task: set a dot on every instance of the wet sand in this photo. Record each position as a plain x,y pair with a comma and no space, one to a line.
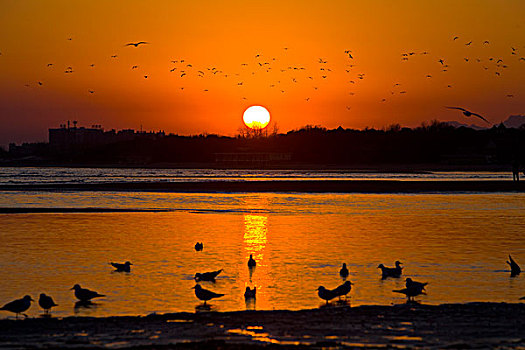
307,186
472,325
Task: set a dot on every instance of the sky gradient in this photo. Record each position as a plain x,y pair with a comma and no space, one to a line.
288,56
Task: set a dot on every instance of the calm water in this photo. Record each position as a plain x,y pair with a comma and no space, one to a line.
456,242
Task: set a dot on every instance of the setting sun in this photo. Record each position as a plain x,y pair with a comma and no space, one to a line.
256,117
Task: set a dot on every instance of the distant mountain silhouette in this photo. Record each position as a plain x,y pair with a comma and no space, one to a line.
515,121
457,124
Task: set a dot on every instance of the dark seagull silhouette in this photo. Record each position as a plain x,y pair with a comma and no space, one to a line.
250,293
467,113
137,44
204,294
410,292
125,267
84,294
207,276
344,271
18,306
391,271
46,303
514,267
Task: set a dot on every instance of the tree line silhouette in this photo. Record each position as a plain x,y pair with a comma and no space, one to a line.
431,143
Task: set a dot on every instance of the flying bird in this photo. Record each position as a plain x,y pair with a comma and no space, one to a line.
467,113
137,44
199,246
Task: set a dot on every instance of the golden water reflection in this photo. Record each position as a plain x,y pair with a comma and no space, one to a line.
255,238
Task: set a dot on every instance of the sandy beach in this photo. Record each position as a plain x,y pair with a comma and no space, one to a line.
308,186
472,325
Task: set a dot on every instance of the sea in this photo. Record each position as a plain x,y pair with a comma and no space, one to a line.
457,242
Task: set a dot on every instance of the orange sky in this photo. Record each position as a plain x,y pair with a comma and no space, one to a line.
224,35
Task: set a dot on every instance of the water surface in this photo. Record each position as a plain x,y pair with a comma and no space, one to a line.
456,242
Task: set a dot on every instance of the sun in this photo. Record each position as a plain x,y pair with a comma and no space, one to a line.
256,117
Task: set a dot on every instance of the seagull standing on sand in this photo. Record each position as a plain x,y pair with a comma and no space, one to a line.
122,267
413,284
343,289
18,306
204,294
514,267
251,261
411,292
84,294
467,113
207,276
250,293
199,246
344,271
325,294
391,271
46,303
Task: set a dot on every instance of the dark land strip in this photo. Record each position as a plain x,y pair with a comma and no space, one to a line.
471,325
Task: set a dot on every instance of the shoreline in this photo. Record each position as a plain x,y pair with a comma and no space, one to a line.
481,324
305,186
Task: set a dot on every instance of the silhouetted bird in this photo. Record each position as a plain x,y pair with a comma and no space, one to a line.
343,289
391,271
325,294
125,267
468,113
411,292
514,267
251,261
413,284
250,293
137,44
344,271
204,294
199,246
18,306
46,302
207,276
84,294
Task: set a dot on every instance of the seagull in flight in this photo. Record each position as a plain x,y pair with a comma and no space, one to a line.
467,113
137,44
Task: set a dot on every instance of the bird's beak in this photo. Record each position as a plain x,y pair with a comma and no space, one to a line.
72,288
192,287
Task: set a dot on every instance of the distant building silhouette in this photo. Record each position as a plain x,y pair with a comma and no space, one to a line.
67,139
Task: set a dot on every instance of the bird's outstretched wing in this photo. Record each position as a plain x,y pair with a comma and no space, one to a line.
461,109
479,116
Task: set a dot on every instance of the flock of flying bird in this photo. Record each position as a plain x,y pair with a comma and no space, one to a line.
293,74
84,295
